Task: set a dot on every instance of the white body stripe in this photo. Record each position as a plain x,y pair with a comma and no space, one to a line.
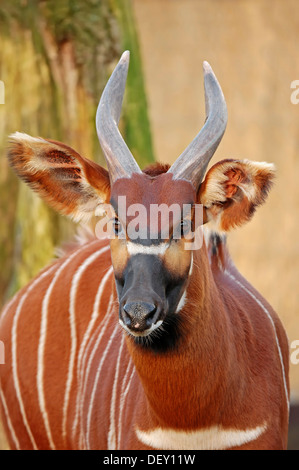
274,329
95,385
7,307
123,394
112,438
213,438
42,342
83,369
83,358
75,281
8,420
14,353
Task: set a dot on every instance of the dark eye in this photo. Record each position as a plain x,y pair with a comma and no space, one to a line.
116,226
185,227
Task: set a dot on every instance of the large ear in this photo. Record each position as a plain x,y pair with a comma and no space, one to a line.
68,182
233,189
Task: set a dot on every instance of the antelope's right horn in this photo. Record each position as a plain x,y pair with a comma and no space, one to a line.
120,161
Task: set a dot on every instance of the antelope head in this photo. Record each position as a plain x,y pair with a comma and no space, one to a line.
153,267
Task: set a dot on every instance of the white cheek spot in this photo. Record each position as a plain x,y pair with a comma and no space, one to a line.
191,265
181,302
184,295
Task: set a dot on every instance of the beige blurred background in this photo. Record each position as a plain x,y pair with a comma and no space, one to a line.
252,46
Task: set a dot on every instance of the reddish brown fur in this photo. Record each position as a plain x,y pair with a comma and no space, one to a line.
233,204
224,371
69,166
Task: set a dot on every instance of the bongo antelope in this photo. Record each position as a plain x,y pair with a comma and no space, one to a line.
141,343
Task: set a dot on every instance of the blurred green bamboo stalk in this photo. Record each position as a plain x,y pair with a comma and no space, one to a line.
55,58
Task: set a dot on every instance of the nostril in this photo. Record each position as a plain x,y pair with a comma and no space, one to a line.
149,309
129,310
138,314
127,318
133,309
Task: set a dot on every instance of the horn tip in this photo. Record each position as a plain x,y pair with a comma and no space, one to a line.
206,67
125,57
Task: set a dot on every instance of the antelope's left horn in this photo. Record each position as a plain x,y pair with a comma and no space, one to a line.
192,163
120,161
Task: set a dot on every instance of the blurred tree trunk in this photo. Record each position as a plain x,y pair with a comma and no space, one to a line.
55,59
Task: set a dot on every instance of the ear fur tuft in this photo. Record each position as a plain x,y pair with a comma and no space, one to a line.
233,189
68,182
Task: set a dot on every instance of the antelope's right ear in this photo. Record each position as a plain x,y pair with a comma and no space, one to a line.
69,183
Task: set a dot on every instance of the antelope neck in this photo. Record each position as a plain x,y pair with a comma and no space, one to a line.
196,363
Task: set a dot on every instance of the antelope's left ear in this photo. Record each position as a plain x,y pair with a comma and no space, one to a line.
70,183
233,189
